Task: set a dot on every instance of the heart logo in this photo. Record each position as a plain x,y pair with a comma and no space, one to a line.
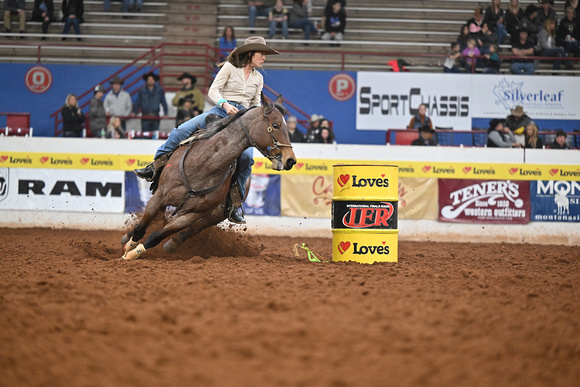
299,165
84,160
130,161
343,246
426,168
466,169
342,180
513,171
382,175
259,164
553,171
384,242
3,158
43,159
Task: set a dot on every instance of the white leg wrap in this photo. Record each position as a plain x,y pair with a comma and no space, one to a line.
134,253
131,245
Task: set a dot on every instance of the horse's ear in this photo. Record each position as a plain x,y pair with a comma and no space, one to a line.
265,101
279,100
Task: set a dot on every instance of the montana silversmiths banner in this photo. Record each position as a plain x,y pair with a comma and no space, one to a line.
555,201
390,100
484,201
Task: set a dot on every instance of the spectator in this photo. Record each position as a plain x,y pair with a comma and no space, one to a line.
546,11
188,82
72,118
278,17
547,44
471,52
15,9
559,141
487,39
118,102
258,8
575,4
420,118
523,48
149,98
227,43
463,37
499,136
475,23
132,6
185,112
518,120
450,65
330,3
494,18
492,61
334,22
533,139
114,130
568,33
325,134
43,11
72,14
293,132
299,18
529,23
97,115
314,128
513,16
425,138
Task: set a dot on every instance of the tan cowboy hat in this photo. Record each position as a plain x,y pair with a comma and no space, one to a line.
518,111
116,80
255,43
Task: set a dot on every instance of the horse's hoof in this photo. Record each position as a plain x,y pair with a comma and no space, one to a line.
170,246
125,239
134,253
130,245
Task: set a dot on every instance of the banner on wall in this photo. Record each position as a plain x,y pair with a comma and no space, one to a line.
62,190
264,196
477,201
418,198
390,100
306,195
555,201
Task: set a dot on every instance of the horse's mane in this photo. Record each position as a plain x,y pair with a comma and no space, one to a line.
214,127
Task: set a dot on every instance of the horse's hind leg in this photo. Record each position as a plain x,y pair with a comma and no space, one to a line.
131,239
203,222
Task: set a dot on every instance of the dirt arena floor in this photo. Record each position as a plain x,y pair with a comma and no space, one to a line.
232,309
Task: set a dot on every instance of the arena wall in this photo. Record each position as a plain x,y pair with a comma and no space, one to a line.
50,156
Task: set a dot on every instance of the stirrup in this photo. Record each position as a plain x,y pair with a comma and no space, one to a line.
234,215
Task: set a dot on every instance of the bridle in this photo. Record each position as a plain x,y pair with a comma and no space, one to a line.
276,144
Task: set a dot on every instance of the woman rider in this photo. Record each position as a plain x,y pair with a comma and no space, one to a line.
238,85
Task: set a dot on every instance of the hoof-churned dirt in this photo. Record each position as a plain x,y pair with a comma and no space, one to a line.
231,309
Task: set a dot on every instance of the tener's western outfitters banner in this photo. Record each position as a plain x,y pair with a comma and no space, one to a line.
490,201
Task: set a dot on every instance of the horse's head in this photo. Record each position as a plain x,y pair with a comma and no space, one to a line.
274,142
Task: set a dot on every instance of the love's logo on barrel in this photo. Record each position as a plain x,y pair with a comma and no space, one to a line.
368,246
371,182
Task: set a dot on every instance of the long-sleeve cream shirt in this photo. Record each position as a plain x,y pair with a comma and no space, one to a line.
231,84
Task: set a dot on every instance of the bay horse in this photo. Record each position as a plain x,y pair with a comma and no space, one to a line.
208,164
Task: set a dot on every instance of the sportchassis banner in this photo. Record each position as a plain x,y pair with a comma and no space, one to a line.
390,100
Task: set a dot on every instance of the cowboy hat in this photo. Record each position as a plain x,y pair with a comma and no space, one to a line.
116,80
518,111
255,43
188,75
150,74
187,98
99,88
426,128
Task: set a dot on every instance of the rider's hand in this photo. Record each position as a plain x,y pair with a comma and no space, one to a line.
230,109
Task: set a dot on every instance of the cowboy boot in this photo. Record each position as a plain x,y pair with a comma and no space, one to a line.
151,170
234,210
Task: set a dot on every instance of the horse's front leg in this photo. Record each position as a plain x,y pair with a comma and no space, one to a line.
132,238
201,223
175,225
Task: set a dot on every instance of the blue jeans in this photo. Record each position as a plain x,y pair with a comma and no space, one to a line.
149,125
306,25
556,52
255,12
188,128
274,24
525,68
74,21
127,3
501,33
